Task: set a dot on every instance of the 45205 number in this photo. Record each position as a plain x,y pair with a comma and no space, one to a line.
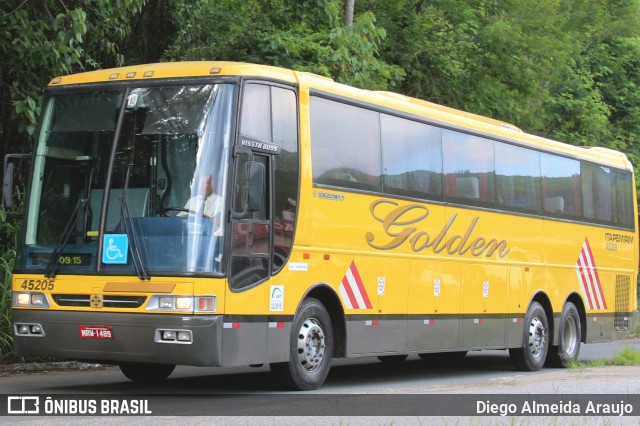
37,284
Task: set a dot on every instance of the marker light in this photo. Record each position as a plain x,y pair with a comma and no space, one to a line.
206,304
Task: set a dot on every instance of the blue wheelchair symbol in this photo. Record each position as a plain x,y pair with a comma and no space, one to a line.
115,248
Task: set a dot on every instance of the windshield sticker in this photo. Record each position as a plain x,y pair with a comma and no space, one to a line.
115,248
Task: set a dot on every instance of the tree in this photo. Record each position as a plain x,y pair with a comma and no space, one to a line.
306,35
45,38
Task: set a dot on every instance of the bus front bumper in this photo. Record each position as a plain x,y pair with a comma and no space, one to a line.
116,337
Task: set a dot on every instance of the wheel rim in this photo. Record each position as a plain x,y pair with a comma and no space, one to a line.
537,337
311,344
570,336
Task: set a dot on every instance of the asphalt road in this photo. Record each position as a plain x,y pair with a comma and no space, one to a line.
353,388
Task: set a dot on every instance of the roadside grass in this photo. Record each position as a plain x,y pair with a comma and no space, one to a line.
626,357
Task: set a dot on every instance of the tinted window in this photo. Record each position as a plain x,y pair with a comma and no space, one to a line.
345,145
256,112
469,168
518,178
624,200
285,134
411,158
598,192
560,185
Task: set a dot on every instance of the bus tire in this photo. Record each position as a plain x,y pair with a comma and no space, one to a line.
143,372
570,332
535,345
310,349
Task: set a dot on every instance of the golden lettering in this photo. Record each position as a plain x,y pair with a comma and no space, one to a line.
400,223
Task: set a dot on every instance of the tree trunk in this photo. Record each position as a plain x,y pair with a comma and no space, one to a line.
348,15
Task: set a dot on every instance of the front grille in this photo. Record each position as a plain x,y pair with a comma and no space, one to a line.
621,315
108,301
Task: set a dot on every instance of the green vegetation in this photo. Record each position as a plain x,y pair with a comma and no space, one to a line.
626,357
556,68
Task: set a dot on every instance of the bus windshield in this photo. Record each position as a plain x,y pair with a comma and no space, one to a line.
130,180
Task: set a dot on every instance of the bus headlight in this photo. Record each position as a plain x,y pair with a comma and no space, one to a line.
30,300
184,303
199,303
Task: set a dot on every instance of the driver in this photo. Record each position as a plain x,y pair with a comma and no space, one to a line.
206,202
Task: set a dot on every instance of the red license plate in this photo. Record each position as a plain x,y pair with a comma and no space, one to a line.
96,332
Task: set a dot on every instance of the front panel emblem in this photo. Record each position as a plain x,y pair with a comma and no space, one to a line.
96,301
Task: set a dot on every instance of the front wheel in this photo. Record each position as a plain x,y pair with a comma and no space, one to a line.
569,337
532,354
146,372
310,349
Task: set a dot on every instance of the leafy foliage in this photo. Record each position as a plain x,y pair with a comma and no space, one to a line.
263,31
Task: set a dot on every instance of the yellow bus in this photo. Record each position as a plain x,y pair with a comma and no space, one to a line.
225,214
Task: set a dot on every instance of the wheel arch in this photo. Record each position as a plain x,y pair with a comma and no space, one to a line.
331,301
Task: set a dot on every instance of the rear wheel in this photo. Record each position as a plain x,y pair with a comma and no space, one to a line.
570,332
146,372
310,349
532,354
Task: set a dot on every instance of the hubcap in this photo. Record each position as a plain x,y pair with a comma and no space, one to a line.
570,336
311,343
537,337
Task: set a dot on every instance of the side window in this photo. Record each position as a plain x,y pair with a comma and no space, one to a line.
345,145
624,200
518,178
286,170
598,192
411,158
561,194
256,112
469,168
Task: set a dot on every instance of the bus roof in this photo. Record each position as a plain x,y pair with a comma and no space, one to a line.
432,112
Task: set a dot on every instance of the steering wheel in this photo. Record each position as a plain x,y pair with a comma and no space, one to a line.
165,211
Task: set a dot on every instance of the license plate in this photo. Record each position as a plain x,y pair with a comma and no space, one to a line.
96,332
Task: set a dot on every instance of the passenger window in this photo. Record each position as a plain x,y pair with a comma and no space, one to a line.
411,157
518,178
345,145
598,192
469,168
624,200
560,185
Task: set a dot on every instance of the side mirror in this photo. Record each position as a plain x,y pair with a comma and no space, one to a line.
256,178
7,179
7,186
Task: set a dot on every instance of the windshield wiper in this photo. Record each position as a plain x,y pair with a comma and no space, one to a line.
129,229
50,271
